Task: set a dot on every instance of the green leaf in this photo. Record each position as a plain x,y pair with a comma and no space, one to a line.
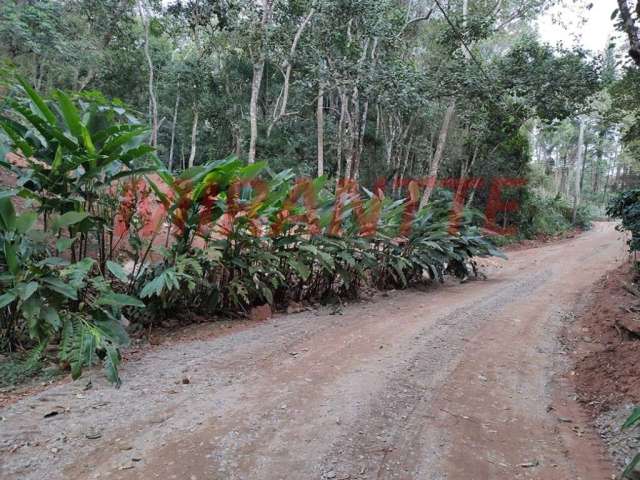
54,262
119,300
161,196
11,257
86,139
25,221
70,114
57,161
633,419
7,298
118,140
133,172
268,295
38,100
347,257
83,352
300,268
117,271
7,214
77,272
309,248
48,130
631,467
50,315
249,172
16,138
135,153
25,290
68,219
398,268
8,193
154,287
62,288
63,244
326,259
113,330
31,311
111,363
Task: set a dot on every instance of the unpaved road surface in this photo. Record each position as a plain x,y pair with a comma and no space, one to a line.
458,382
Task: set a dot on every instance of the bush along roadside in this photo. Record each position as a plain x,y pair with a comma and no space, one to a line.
56,257
106,235
626,207
550,216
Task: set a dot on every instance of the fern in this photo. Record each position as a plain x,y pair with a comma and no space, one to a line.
14,372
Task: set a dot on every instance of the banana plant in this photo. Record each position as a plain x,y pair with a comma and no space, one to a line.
72,150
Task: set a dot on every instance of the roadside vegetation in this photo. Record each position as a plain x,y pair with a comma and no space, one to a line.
213,239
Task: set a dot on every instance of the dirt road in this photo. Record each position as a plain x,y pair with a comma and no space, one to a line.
461,382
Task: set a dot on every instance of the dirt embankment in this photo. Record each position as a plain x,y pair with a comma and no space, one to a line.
608,344
604,344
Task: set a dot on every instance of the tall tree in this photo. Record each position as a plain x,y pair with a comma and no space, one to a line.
630,27
258,71
153,103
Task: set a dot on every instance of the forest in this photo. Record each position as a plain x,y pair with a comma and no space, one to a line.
171,162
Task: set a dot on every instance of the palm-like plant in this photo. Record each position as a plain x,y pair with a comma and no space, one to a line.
72,151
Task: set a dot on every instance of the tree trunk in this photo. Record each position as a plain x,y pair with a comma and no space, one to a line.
280,108
437,157
320,121
563,179
237,135
465,168
256,82
579,162
343,113
173,131
153,104
474,189
631,29
40,68
365,112
597,165
405,162
258,69
352,123
606,187
194,133
363,126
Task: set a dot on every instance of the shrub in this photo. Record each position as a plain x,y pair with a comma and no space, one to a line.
49,298
626,207
551,216
281,240
58,276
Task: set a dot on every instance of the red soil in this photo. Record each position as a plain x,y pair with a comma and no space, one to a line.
607,354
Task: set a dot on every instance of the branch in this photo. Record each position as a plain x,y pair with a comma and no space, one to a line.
280,108
415,20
